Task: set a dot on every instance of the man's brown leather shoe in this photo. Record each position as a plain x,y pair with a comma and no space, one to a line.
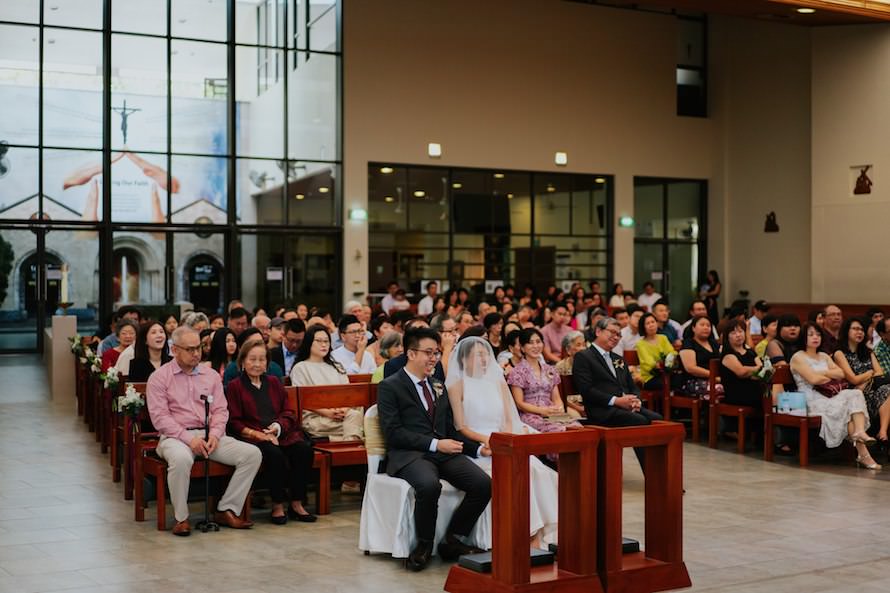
182,528
230,519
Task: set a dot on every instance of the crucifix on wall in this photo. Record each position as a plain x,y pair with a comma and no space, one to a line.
125,113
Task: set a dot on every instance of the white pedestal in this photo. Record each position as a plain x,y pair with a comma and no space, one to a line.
58,357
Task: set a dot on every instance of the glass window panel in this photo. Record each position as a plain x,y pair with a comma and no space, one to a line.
18,183
199,19
684,207
552,204
296,23
649,209
79,13
22,11
19,81
18,290
387,209
260,97
590,214
323,25
312,104
139,93
72,185
682,285
311,194
199,269
259,267
648,260
260,192
139,261
79,250
427,200
200,88
199,192
314,271
140,16
72,108
260,22
139,187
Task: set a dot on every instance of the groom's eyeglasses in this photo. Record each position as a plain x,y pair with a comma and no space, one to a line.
430,353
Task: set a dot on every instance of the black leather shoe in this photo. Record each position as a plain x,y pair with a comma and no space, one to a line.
419,556
282,520
450,549
307,518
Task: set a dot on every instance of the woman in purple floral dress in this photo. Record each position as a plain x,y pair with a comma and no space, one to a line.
535,386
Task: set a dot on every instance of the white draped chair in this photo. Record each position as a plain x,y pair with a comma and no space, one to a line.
387,522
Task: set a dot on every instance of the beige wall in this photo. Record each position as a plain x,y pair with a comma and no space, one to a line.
506,83
851,126
761,99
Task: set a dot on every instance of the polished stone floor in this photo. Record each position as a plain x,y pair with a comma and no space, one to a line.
749,525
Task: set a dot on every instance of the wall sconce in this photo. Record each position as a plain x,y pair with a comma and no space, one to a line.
626,221
358,255
434,149
358,214
561,159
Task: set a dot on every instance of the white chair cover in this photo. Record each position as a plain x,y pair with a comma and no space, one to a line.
387,521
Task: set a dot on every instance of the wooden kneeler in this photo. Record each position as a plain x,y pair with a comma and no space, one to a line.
660,565
576,568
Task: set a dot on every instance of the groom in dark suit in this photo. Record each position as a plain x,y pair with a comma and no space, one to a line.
423,446
611,398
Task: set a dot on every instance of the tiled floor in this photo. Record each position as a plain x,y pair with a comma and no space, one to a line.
749,525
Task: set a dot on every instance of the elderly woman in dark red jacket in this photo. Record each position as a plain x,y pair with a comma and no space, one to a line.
258,414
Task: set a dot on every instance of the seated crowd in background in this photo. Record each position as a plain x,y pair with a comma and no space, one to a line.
533,341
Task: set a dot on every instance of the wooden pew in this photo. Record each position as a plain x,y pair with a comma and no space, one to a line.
362,378
687,402
803,424
351,395
652,399
718,408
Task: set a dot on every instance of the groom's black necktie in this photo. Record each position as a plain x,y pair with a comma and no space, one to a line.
428,397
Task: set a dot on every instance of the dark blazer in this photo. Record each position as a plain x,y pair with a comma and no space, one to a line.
408,429
276,355
396,364
596,384
243,411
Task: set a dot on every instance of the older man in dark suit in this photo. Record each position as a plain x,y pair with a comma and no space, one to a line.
610,396
423,446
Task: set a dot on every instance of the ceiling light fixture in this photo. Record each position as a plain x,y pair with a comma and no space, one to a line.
434,149
509,196
550,188
299,196
806,10
600,180
419,193
323,190
498,175
386,170
457,185
388,199
561,159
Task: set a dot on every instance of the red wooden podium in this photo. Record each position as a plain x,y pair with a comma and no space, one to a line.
575,570
659,566
590,558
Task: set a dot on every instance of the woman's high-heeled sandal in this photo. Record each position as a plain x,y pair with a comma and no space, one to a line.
868,462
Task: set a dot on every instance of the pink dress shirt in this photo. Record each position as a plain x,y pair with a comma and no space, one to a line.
174,401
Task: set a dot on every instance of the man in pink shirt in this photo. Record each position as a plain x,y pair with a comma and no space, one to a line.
176,409
554,332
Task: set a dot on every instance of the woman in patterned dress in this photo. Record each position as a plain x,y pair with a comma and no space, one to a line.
862,371
535,386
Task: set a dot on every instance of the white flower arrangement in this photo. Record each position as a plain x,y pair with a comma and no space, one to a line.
76,344
670,361
766,372
111,378
130,403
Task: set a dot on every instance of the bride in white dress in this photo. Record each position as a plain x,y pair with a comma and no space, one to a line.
481,403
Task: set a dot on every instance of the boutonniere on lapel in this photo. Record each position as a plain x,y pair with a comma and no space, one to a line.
618,363
438,389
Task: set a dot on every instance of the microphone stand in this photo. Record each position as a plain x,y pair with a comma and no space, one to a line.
207,524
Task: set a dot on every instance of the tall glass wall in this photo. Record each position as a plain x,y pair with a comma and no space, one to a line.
151,135
478,228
